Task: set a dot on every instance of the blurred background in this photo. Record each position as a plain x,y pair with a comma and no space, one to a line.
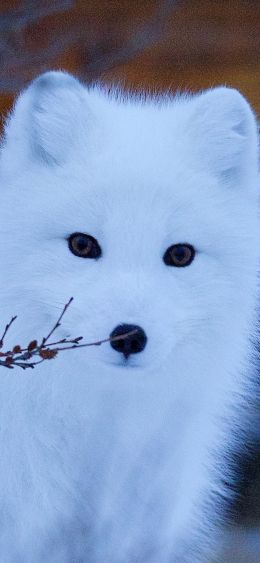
153,45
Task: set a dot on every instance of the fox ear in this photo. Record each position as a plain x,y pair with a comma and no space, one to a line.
47,117
226,132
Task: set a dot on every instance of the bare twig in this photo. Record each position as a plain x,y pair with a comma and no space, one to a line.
44,340
6,330
21,357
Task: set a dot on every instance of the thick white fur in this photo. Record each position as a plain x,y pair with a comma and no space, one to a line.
101,461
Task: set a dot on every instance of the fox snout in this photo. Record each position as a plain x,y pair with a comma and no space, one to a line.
131,344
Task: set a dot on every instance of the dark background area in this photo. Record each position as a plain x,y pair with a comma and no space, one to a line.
155,44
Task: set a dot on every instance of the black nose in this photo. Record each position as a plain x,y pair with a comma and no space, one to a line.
133,343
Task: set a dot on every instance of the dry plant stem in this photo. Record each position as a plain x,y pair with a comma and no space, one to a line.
45,351
44,340
6,330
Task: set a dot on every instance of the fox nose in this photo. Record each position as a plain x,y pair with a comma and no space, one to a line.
132,344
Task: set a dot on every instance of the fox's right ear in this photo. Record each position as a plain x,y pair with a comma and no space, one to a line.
46,118
224,132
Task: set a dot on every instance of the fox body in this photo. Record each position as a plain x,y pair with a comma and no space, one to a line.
108,456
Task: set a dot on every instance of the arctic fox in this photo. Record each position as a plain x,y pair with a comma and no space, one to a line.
145,210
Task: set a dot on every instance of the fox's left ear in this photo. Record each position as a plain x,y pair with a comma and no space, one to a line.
225,132
47,118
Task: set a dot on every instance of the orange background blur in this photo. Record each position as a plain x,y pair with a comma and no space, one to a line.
158,44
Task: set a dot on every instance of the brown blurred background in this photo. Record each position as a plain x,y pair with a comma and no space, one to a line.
155,44
152,45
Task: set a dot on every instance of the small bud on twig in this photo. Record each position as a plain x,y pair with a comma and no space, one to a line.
48,354
33,344
16,349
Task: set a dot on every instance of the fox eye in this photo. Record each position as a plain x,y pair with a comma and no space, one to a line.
84,245
179,255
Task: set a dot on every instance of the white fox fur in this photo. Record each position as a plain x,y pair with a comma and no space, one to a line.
105,461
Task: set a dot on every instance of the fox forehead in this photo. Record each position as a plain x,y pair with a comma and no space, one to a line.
85,161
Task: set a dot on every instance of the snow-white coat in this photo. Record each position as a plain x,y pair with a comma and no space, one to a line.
104,460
